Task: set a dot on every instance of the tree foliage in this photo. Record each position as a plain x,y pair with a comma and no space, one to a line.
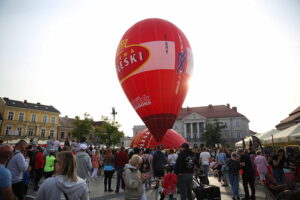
83,127
108,132
212,135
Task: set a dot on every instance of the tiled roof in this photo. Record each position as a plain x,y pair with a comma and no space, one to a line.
98,123
27,105
293,117
218,111
66,122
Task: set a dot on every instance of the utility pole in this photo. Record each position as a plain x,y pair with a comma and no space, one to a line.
114,113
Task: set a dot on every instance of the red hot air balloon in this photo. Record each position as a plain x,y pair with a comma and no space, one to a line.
154,62
144,139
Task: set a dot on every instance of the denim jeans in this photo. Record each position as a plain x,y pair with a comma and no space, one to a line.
234,182
278,175
120,171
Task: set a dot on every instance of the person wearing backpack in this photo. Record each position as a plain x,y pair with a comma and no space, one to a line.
184,169
17,166
147,166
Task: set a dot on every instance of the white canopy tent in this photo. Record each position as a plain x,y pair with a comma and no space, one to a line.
288,135
260,136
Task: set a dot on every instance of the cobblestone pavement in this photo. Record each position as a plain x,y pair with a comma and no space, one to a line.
97,190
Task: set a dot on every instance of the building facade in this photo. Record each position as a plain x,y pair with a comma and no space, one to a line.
24,119
65,128
192,121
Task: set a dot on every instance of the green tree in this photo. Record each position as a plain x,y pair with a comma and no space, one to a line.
109,132
83,127
212,135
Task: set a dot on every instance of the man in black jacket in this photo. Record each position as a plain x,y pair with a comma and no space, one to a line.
158,164
184,169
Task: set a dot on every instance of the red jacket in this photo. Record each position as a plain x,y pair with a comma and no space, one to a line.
39,161
121,159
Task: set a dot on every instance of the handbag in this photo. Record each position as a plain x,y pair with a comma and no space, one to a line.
108,168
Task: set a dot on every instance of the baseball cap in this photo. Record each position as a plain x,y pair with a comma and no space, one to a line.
83,146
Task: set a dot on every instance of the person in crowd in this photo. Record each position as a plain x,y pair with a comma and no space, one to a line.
121,158
26,174
65,183
147,166
56,146
204,161
225,168
109,169
134,179
248,176
169,182
50,144
172,157
39,168
95,162
67,143
49,165
6,192
221,160
17,166
184,168
84,163
262,165
233,174
278,163
158,164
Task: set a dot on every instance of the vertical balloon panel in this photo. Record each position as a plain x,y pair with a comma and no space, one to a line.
154,63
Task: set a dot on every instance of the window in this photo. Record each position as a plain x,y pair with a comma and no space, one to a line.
19,129
51,133
225,124
201,127
62,135
237,124
30,132
238,134
43,131
195,132
33,117
10,116
8,129
188,131
45,119
52,120
21,117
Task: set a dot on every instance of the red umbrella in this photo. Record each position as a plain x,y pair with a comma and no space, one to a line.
144,139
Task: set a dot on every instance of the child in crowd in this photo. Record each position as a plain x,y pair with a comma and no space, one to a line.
169,182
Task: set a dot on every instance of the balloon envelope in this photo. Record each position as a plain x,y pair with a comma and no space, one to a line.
144,139
154,62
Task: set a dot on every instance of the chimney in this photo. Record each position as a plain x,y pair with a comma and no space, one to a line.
66,116
234,108
228,105
38,103
25,101
187,108
210,106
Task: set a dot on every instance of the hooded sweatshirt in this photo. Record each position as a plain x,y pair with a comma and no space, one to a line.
53,188
84,165
133,184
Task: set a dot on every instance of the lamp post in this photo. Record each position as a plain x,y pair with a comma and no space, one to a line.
114,113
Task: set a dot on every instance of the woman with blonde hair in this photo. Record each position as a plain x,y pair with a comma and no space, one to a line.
109,169
65,183
133,179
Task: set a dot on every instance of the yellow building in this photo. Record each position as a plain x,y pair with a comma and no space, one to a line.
23,119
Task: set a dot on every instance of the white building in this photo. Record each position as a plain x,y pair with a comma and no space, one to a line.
191,123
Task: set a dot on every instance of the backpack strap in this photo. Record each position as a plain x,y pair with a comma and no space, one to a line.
66,196
15,153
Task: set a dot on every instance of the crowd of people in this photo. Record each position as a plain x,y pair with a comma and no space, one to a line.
68,169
